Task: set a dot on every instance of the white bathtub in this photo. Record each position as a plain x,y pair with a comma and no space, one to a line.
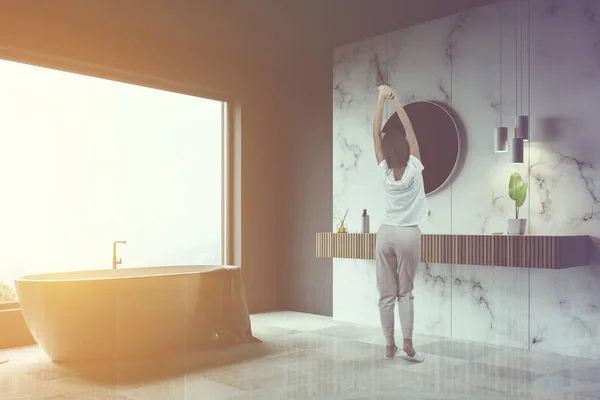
134,312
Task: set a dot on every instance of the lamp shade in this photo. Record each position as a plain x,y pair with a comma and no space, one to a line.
522,127
500,138
515,150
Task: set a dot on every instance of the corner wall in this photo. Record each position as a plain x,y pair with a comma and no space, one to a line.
270,193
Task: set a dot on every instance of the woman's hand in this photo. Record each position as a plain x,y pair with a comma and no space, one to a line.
386,92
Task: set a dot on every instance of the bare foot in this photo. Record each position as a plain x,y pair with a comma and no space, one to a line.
390,351
409,350
411,354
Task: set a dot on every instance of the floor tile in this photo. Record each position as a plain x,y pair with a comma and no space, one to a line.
494,380
185,387
459,350
294,321
351,350
347,331
525,360
309,357
585,373
303,341
437,367
266,332
418,340
559,383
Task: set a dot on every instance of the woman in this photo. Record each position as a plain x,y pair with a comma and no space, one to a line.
398,248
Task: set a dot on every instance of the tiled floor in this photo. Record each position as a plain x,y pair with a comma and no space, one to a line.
309,357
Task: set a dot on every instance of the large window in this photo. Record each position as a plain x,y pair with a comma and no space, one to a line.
86,161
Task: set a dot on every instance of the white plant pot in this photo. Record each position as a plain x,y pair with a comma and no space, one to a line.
516,227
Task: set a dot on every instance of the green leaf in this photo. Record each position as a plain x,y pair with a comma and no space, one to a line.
521,195
517,189
513,185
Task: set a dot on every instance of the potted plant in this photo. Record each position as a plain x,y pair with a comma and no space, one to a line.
517,190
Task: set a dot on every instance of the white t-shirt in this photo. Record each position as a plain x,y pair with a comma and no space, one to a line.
405,200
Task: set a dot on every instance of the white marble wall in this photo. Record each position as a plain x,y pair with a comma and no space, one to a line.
458,60
565,169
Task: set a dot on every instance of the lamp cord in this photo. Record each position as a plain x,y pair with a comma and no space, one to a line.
521,58
516,62
500,47
529,64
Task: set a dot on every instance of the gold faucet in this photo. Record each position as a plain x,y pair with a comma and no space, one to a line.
115,262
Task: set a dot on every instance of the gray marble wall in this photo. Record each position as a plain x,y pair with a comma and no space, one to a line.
457,60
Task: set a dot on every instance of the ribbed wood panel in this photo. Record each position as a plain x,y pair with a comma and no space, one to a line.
360,246
549,252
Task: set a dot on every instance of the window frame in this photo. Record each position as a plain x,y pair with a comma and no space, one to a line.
229,128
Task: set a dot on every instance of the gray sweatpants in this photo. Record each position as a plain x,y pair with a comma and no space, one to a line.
398,254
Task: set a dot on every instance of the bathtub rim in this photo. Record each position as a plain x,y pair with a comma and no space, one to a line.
37,278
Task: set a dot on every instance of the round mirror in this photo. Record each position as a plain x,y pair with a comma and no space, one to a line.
439,141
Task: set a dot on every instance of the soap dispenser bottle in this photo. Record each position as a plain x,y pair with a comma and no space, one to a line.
365,222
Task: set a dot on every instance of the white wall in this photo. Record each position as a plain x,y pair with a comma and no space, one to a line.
456,60
85,161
